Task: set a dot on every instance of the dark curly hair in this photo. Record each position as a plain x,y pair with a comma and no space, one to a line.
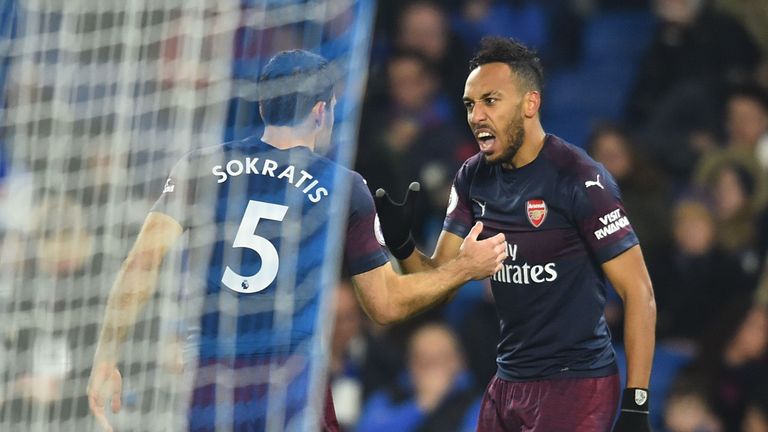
291,83
521,60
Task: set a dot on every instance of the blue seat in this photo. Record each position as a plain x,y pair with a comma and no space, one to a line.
573,126
618,36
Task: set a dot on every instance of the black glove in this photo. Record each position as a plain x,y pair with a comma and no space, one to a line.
634,411
396,220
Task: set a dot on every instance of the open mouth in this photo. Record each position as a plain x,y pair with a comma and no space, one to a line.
486,140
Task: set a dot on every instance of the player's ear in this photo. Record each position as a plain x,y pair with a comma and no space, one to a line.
531,103
318,113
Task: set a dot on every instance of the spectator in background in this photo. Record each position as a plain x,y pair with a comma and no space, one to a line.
746,142
761,73
55,339
756,416
424,26
348,350
411,137
480,334
681,82
692,42
752,14
747,122
695,278
365,357
643,189
733,357
737,187
439,397
761,293
688,410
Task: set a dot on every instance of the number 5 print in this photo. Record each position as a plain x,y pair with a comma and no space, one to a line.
246,238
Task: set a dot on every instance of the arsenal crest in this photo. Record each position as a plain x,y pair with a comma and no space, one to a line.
536,211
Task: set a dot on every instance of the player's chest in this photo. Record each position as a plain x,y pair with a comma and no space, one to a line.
519,205
534,214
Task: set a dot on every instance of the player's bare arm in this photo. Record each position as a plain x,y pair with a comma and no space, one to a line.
628,275
388,297
448,245
135,284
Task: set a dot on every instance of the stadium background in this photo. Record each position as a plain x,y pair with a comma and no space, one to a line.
669,94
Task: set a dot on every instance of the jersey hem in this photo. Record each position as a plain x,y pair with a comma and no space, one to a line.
604,371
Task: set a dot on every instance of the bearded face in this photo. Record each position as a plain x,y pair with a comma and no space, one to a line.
494,103
513,136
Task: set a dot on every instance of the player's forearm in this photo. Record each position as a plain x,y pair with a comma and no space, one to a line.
639,337
134,286
417,262
415,293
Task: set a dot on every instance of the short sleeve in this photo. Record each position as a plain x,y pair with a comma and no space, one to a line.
178,190
600,215
362,251
458,217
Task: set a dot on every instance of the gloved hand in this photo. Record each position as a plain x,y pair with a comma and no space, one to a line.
634,411
396,220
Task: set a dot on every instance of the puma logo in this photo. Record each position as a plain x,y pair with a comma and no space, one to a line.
482,206
589,183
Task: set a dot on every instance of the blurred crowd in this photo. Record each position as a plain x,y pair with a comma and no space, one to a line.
672,97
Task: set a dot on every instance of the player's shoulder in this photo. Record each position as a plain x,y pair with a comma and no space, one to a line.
570,162
474,161
208,153
472,165
344,173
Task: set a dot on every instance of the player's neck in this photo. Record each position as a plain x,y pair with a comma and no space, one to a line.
285,137
534,141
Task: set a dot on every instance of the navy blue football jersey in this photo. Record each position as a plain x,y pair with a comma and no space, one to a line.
563,217
259,220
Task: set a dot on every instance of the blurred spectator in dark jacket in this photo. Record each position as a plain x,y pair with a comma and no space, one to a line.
682,81
734,355
695,278
753,14
412,137
479,333
424,26
692,42
439,396
756,416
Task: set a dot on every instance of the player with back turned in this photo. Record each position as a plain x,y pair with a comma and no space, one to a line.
567,232
257,215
